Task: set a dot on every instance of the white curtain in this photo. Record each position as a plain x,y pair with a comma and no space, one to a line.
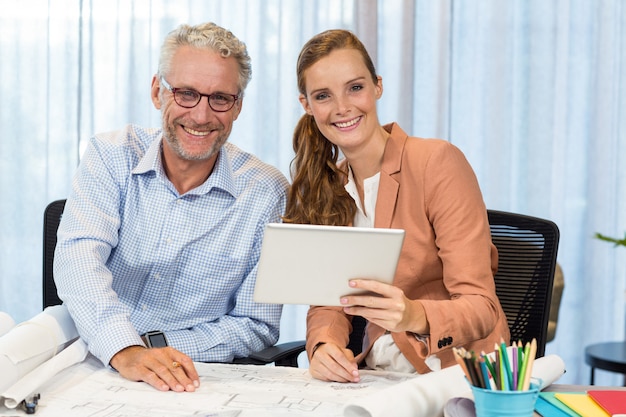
534,93
531,90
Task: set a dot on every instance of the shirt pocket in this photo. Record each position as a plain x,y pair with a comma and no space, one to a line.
207,281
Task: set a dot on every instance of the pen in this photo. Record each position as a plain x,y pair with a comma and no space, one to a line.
30,403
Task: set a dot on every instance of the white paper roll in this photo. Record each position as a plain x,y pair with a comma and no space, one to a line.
26,386
6,323
31,343
426,395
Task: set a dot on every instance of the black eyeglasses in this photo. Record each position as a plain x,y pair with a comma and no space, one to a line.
188,99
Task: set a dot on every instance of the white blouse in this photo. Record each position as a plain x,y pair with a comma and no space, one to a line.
364,216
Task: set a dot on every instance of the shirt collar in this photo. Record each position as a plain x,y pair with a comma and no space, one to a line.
222,176
151,160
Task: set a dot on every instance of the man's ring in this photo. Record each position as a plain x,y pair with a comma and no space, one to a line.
175,365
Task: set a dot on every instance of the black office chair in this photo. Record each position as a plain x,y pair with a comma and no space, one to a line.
51,220
527,251
284,354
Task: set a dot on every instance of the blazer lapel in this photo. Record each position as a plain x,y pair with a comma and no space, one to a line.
389,186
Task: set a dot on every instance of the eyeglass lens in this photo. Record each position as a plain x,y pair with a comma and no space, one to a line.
191,98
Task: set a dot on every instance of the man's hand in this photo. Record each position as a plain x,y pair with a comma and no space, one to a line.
332,363
163,368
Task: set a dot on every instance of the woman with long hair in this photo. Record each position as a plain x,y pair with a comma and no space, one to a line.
351,170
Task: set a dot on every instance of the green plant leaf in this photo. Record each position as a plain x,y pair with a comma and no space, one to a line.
617,242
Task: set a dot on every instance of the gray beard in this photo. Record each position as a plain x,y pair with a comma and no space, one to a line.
170,136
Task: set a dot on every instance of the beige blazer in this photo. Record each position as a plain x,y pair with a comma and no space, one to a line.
428,188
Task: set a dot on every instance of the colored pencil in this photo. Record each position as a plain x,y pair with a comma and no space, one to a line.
485,372
514,355
522,375
507,364
460,359
529,361
507,371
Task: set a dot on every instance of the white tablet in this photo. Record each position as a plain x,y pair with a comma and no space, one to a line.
308,264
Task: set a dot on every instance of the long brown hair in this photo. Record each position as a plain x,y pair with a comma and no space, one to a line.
317,194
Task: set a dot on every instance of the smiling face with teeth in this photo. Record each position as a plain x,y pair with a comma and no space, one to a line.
341,96
195,135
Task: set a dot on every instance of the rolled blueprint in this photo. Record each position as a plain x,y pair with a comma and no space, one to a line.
426,395
6,323
31,343
74,353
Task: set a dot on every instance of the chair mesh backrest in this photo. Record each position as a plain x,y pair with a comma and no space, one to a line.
51,220
527,251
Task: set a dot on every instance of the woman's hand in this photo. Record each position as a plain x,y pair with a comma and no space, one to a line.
387,307
332,363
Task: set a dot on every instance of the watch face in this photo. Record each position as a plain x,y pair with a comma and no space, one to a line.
156,339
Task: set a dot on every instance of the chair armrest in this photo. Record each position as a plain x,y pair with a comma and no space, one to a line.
284,354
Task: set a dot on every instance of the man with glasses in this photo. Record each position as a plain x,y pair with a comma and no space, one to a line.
159,242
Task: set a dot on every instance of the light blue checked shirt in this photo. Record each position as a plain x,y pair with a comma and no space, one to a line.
133,255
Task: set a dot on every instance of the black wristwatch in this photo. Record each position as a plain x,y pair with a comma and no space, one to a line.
155,339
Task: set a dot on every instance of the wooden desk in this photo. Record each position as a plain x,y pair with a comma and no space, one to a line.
578,388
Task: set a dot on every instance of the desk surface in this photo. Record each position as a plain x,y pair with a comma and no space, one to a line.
226,391
89,389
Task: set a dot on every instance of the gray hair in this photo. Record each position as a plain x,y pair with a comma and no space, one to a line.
207,36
